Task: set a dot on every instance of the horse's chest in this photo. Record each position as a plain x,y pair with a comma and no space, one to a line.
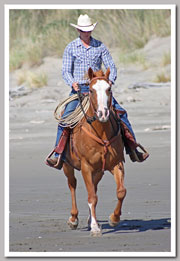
97,153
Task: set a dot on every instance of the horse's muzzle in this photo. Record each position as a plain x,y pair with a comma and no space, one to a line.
103,115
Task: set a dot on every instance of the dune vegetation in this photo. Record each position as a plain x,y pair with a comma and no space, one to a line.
35,34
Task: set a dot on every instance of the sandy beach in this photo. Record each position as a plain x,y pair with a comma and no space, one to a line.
40,201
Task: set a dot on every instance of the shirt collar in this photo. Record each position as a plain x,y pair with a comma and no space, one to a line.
79,42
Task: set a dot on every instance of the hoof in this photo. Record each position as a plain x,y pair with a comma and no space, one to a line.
113,223
73,224
96,233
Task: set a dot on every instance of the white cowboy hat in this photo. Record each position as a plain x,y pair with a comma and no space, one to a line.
84,23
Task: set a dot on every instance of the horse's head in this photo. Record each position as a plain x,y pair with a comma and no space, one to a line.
100,93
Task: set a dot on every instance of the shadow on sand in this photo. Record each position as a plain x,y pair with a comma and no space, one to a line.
130,226
137,225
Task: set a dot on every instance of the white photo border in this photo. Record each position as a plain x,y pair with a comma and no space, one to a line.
172,7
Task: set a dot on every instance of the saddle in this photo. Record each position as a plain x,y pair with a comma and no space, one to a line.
129,142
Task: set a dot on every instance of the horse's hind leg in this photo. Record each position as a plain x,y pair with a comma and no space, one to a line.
118,173
69,172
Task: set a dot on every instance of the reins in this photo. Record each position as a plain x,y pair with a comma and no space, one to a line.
88,119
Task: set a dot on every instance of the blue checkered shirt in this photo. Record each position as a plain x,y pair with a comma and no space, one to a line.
77,59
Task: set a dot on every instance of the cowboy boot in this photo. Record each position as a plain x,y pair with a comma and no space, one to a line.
131,145
57,162
52,162
135,155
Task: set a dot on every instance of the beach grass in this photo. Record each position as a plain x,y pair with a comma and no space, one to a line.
35,34
31,79
162,77
166,59
134,57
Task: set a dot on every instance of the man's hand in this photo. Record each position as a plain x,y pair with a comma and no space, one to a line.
110,83
75,86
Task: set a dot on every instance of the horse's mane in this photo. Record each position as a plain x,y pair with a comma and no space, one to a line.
98,73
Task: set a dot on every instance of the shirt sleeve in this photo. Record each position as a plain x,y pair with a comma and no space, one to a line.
108,62
67,66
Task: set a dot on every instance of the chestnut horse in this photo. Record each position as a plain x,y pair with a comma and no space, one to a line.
94,148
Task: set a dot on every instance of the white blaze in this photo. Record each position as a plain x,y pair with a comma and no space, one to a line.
102,98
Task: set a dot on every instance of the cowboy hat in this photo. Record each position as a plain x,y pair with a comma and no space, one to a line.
84,23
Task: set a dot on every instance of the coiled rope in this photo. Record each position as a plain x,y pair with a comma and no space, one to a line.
73,118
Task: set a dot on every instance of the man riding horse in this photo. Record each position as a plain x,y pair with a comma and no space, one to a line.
81,54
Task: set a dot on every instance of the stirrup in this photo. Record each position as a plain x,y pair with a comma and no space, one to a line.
135,156
143,149
59,163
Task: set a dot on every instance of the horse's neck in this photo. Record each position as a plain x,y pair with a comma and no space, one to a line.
104,130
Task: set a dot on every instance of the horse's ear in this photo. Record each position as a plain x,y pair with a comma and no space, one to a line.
107,73
90,73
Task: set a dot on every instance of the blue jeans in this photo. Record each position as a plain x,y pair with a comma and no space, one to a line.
70,107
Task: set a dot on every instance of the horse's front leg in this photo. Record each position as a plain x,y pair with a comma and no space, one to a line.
69,172
96,178
92,199
118,173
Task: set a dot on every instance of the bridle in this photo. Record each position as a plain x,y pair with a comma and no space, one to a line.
80,97
98,78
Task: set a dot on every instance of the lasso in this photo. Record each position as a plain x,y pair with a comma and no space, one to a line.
73,118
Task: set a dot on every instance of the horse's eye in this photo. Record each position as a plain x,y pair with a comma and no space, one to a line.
109,89
90,91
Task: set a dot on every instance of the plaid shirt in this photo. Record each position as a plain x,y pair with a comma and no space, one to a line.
77,59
